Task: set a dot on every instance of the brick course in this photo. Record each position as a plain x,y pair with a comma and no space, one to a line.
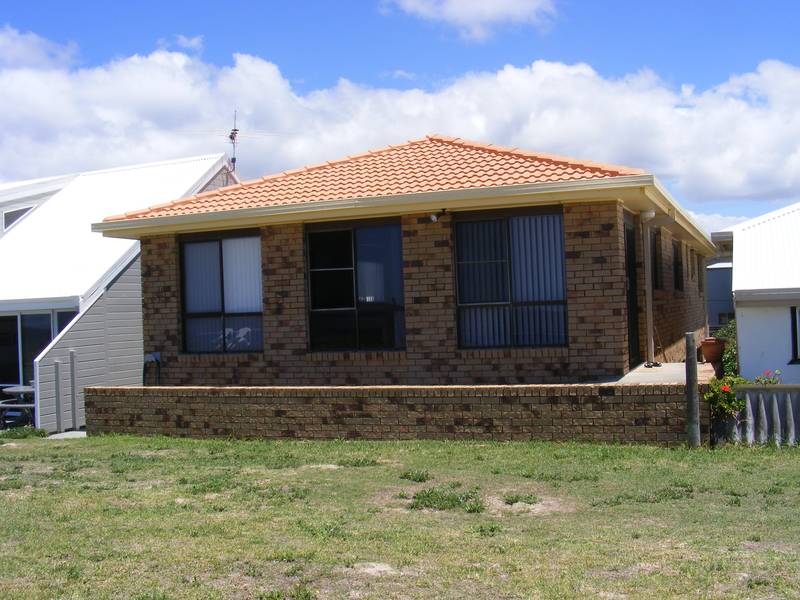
596,305
611,413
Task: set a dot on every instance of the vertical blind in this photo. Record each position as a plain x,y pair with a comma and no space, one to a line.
511,283
222,295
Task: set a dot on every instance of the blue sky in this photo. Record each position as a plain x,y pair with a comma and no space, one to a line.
329,78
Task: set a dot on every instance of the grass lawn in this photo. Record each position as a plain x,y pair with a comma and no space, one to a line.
159,518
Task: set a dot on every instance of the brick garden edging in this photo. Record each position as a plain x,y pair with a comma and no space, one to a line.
602,413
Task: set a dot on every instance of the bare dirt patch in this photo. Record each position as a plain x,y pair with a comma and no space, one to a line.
547,505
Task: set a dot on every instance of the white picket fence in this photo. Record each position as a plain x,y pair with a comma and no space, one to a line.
770,415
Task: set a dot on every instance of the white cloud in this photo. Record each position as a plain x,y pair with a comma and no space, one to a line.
477,19
30,50
716,222
737,140
403,74
194,43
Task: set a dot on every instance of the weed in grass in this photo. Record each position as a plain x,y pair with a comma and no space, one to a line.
322,530
299,592
775,489
734,501
488,529
213,484
757,582
417,476
558,477
358,461
294,571
277,494
448,497
664,494
754,538
11,484
514,498
403,496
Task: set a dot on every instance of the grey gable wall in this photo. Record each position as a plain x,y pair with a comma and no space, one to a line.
107,341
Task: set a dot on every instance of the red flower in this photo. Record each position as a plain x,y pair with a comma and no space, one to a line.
726,388
767,373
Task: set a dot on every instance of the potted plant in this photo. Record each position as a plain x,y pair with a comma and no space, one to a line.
725,407
713,349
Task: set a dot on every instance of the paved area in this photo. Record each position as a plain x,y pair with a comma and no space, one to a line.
666,373
67,435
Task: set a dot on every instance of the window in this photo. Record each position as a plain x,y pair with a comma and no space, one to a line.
64,318
356,287
36,334
795,335
510,281
655,259
677,264
701,274
9,350
222,296
12,216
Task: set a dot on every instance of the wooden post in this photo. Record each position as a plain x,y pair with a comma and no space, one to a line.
692,394
73,391
57,383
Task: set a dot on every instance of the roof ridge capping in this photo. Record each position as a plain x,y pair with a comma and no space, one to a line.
567,160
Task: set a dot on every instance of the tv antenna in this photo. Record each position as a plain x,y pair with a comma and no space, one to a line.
232,137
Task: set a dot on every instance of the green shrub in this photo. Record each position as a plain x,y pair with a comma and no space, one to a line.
730,357
18,433
721,396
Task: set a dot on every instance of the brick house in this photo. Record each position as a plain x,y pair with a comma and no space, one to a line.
438,261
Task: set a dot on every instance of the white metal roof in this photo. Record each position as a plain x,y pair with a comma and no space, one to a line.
766,256
51,258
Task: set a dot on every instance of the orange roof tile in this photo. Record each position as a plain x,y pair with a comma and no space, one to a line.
432,164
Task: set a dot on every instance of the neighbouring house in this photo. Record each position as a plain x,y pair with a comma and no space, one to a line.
719,277
70,301
766,292
437,261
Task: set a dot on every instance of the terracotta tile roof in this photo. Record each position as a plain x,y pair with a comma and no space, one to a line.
434,163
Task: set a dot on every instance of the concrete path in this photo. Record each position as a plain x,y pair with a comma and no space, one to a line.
666,373
67,435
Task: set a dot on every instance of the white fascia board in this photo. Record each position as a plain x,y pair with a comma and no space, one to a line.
685,220
773,296
423,201
101,284
211,172
33,304
35,188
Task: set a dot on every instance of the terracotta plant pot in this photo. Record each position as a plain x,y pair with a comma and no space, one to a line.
713,349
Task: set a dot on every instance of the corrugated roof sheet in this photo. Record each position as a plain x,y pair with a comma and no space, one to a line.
432,164
53,253
766,251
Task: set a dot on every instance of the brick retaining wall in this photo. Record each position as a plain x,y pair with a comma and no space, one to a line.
602,413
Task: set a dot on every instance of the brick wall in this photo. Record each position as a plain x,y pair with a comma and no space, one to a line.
618,413
674,311
597,313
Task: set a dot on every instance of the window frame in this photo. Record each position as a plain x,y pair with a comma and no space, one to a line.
795,320
677,266
14,209
351,226
656,263
217,236
505,216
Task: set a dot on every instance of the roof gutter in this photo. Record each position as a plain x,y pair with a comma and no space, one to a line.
762,296
463,199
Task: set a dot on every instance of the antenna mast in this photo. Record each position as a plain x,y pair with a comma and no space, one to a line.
232,137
